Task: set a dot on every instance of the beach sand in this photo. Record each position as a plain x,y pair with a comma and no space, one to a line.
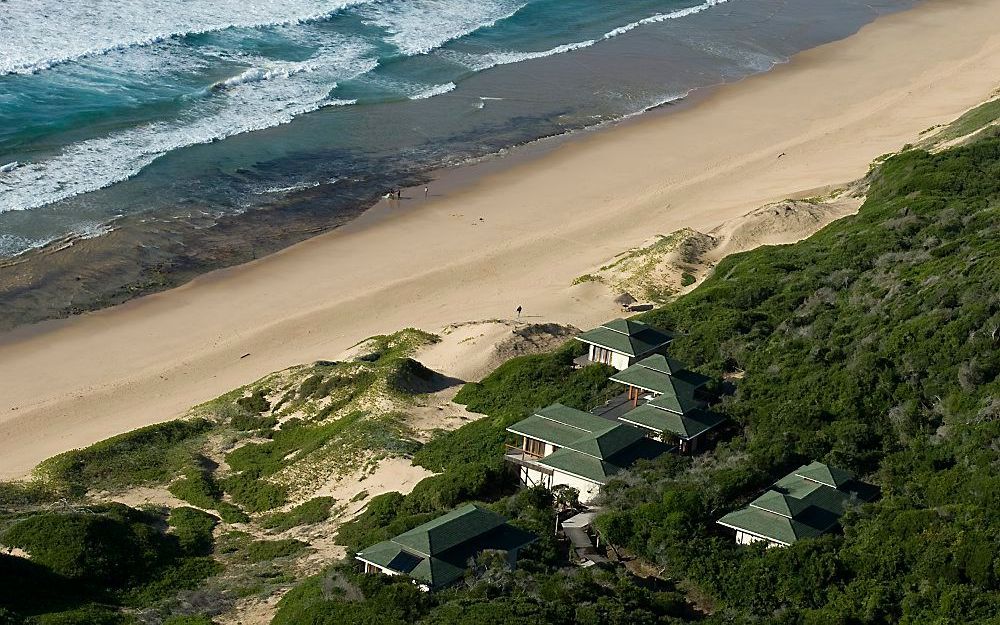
514,235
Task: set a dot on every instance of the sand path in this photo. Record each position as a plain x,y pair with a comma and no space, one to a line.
545,220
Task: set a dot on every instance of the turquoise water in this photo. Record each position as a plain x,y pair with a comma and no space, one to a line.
176,108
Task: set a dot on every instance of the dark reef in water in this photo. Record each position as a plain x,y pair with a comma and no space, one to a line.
146,253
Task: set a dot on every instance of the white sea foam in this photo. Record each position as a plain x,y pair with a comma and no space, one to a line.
242,106
420,26
436,90
480,62
662,17
38,34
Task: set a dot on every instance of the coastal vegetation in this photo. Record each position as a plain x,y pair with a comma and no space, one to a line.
873,345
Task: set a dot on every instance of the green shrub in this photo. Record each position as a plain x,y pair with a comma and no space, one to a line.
230,513
256,403
110,549
313,511
147,455
197,487
253,494
193,529
87,615
267,550
687,279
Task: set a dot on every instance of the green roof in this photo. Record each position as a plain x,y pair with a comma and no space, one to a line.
446,531
689,425
581,465
597,470
604,444
574,418
437,552
625,336
580,431
589,446
825,474
663,364
799,506
680,398
770,526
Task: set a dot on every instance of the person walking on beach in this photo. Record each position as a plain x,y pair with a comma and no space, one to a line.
399,194
426,192
518,312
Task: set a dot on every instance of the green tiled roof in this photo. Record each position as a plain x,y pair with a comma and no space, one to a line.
573,417
824,474
663,364
436,552
641,377
680,398
632,338
800,506
588,445
771,526
444,532
582,465
689,425
577,430
542,429
604,444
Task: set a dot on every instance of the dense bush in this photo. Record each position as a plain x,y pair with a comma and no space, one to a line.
873,346
518,387
109,555
197,487
193,529
313,511
150,454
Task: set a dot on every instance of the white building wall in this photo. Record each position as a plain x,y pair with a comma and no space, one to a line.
744,538
531,477
588,490
620,361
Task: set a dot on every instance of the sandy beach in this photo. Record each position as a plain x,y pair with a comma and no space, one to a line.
502,237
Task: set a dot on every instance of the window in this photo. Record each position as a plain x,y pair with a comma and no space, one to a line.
602,355
533,447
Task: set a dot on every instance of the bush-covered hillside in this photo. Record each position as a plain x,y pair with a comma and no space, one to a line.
874,346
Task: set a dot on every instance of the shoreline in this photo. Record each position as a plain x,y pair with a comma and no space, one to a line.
515,236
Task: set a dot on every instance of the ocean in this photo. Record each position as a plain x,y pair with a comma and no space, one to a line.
221,121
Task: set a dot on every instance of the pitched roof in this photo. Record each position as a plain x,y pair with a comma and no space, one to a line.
689,425
574,429
799,506
770,526
436,552
608,442
446,531
626,336
678,398
825,474
663,364
598,470
588,445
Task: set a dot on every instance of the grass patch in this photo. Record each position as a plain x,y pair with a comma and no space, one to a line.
313,511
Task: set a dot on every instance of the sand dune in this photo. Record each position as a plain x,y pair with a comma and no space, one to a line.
501,236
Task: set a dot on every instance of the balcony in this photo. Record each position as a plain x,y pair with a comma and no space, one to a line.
523,458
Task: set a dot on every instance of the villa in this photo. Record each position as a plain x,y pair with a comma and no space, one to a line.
622,342
560,445
804,504
439,552
673,407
